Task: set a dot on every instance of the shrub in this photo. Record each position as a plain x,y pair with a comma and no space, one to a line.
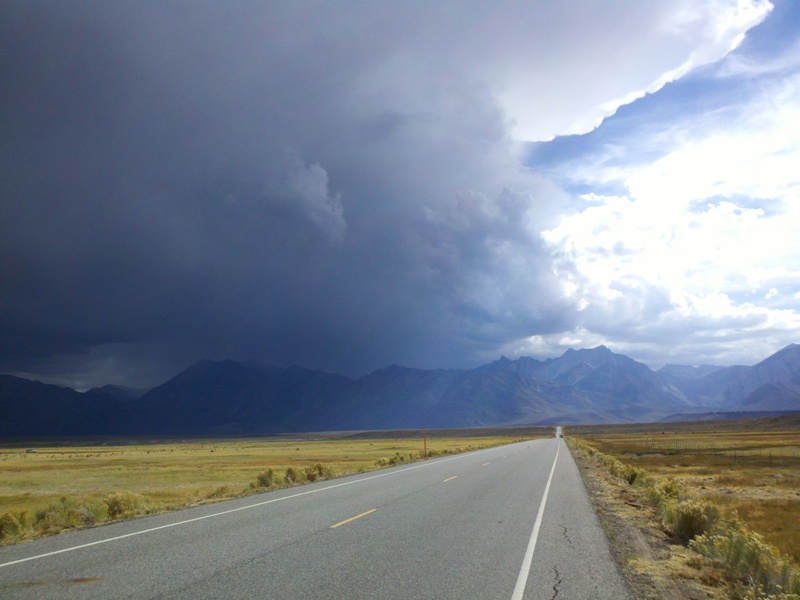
747,557
690,518
59,516
15,525
69,513
99,512
123,504
662,491
310,473
317,471
399,459
686,517
293,476
266,478
621,470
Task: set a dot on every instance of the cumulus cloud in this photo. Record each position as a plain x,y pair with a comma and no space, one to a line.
706,231
486,254
305,188
753,156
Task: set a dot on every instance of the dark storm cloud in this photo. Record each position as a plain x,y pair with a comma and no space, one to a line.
199,181
328,184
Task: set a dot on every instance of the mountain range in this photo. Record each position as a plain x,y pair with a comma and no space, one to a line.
246,398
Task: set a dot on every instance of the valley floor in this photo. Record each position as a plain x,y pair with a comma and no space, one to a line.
748,467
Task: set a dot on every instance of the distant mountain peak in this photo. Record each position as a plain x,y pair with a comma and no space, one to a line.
791,350
502,364
600,350
227,397
395,367
600,354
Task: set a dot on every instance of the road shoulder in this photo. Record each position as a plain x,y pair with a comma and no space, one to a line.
572,558
653,566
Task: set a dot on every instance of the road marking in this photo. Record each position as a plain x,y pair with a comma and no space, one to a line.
485,464
247,507
450,478
522,580
364,514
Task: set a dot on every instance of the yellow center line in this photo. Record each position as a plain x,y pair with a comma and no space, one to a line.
450,478
364,514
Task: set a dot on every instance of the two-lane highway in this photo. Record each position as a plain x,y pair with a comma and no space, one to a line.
509,523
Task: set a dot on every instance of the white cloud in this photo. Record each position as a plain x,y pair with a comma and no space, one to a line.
736,65
615,56
755,155
553,68
712,224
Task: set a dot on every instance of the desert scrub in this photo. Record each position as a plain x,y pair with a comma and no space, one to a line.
124,504
730,464
684,515
662,491
689,518
760,567
318,472
681,513
400,458
581,446
761,571
69,513
272,479
265,479
619,469
293,476
15,526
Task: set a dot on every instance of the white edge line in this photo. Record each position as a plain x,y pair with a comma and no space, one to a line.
233,510
522,579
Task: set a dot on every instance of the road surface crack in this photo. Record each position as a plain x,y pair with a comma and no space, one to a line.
566,535
557,583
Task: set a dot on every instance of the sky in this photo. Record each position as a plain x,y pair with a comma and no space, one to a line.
347,185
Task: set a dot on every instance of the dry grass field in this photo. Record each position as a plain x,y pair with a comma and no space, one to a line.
48,488
752,467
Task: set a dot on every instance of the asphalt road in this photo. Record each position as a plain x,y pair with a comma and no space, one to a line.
509,523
